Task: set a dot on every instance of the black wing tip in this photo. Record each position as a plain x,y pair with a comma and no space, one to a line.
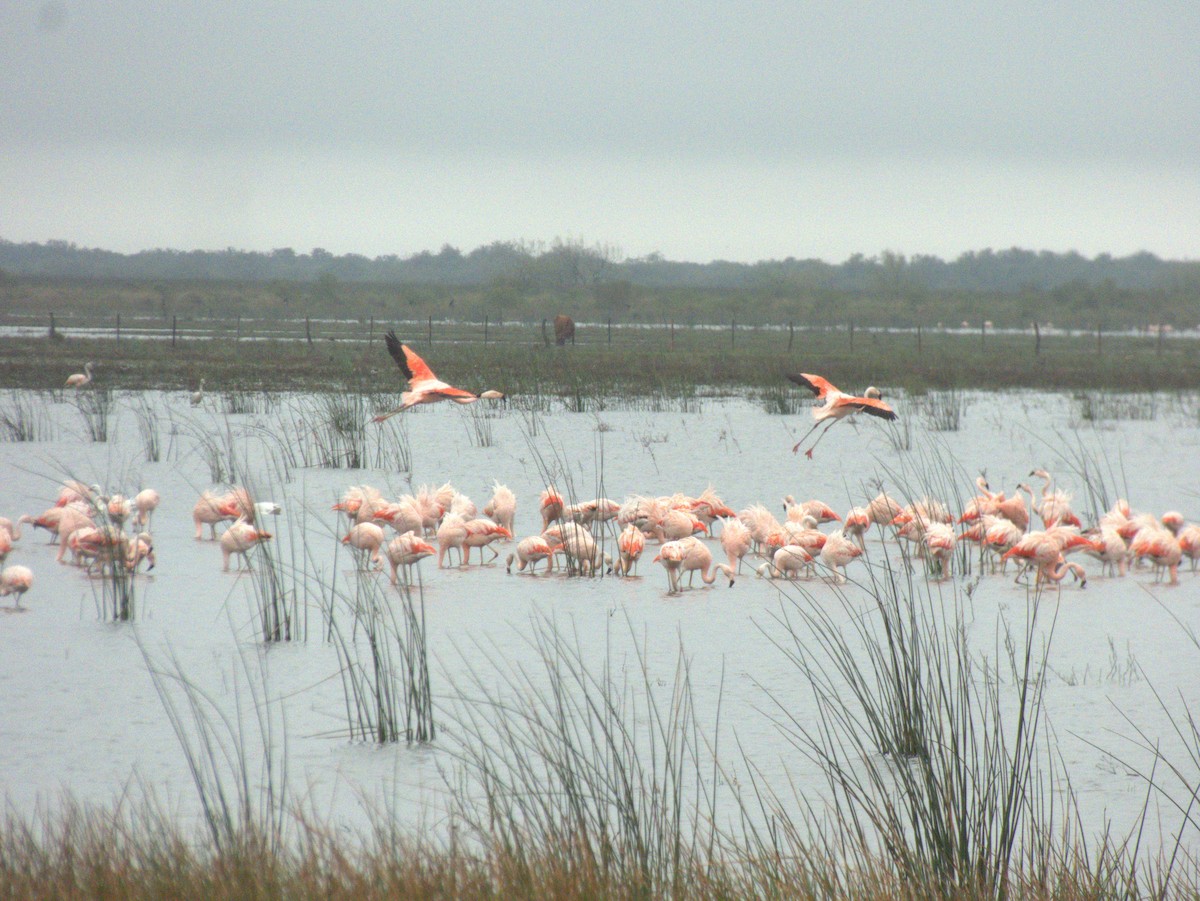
396,349
798,379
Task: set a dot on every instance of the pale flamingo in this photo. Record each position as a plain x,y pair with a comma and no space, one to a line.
119,508
709,507
72,520
677,524
451,533
1162,549
883,509
502,508
366,536
103,546
1055,506
237,540
198,395
735,540
6,544
405,551
207,512
1189,543
551,506
579,547
837,405
787,562
15,580
630,544
80,379
13,528
817,509
1112,551
145,502
1046,549
481,533
423,386
141,547
804,533
529,552
837,552
697,558
856,524
939,548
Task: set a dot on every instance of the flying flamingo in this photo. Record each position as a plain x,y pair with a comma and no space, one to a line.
423,386
15,580
80,379
837,405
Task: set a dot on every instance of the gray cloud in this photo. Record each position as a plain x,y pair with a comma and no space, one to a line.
217,97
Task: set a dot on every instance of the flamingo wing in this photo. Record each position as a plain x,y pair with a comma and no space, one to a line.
814,383
872,406
414,368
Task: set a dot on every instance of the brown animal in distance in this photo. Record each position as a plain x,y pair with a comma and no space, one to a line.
564,329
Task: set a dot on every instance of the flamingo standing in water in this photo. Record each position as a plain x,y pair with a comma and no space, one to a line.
16,580
423,386
837,405
529,551
80,379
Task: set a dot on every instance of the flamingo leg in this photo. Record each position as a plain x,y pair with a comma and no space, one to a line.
808,453
796,447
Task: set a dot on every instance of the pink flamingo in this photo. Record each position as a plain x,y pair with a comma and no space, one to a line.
530,551
238,539
145,502
366,536
787,562
837,552
15,580
856,524
80,379
630,544
735,540
423,386
939,547
406,551
502,508
837,405
481,533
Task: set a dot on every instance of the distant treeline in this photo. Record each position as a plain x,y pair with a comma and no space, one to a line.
573,264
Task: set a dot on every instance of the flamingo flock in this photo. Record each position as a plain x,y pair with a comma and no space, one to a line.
1036,531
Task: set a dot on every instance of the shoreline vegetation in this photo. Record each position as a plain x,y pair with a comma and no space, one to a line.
665,360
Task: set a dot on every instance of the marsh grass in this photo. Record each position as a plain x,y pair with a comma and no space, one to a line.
148,429
583,758
783,400
479,426
1110,406
240,401
237,758
95,406
383,661
944,410
24,417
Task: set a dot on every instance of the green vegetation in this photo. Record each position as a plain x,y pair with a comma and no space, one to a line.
665,361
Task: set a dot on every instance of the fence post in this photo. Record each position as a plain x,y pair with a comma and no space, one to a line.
672,334
983,333
852,334
53,333
431,331
545,334
174,321
1160,338
238,336
1037,339
732,332
485,329
308,330
791,335
118,328
1099,340
918,337
371,333
610,330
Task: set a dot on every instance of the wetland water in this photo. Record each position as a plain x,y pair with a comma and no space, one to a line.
79,713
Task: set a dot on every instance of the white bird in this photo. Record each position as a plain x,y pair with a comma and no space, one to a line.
198,395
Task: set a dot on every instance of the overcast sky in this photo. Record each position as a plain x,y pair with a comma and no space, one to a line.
741,131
